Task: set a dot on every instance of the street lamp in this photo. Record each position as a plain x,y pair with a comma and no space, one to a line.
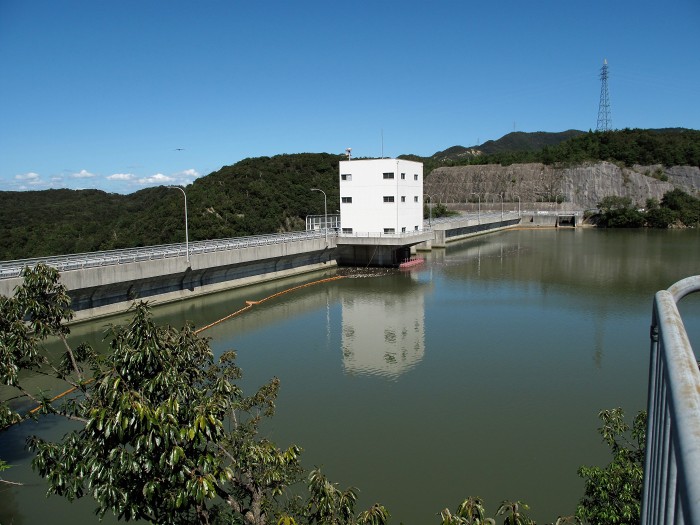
479,214
430,210
488,204
325,212
187,235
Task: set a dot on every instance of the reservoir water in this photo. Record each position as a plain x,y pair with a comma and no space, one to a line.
480,373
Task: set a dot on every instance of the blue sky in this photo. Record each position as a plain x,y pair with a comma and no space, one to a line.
121,95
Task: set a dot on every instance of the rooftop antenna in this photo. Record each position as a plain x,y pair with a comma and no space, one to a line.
604,119
382,142
347,152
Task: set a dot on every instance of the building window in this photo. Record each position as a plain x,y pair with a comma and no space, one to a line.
415,199
388,198
403,176
389,230
403,229
416,228
346,176
388,175
415,177
346,200
403,199
347,230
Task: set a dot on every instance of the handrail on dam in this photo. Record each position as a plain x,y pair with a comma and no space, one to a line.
12,269
671,492
395,235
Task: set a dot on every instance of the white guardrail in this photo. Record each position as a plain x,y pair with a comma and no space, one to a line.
12,269
484,215
671,491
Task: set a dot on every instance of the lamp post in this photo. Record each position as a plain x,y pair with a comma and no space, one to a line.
488,205
325,212
479,213
187,235
501,196
430,210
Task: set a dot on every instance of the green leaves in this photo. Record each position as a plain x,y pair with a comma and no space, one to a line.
513,513
676,207
613,493
168,435
619,212
328,505
37,310
471,512
154,445
375,515
683,206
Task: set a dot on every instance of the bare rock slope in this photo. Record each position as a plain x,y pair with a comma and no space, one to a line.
582,186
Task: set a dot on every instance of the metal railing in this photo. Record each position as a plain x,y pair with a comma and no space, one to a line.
481,216
12,269
671,492
318,222
393,235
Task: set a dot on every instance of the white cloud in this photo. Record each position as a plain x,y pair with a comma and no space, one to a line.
158,178
29,178
82,174
187,174
122,176
185,177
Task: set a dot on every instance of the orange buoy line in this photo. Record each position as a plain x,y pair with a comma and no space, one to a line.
248,306
59,396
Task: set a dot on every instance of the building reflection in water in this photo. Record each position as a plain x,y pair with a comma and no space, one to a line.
384,334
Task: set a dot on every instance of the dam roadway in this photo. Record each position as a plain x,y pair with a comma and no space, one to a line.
105,283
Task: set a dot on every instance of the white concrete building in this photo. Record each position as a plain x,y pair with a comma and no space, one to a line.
381,196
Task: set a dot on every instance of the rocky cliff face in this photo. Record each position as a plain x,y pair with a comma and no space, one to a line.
581,186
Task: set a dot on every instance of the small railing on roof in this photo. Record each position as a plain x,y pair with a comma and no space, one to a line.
671,491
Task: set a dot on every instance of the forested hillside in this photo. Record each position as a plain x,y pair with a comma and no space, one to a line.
254,196
669,147
512,142
273,194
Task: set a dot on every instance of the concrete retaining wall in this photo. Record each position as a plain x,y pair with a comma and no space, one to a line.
442,237
464,228
538,221
563,220
107,290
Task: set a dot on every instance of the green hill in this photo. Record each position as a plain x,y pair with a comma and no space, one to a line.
512,142
254,196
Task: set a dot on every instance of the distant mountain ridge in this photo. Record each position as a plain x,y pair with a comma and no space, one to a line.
512,142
